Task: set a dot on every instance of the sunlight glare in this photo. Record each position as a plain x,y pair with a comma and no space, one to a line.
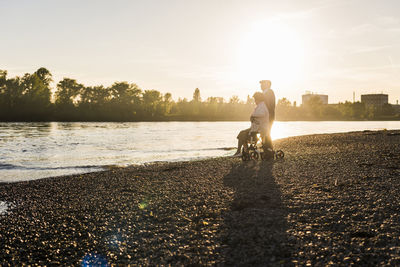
270,50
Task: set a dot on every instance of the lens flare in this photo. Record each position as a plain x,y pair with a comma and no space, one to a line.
93,259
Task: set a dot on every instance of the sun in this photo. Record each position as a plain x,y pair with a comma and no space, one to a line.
270,50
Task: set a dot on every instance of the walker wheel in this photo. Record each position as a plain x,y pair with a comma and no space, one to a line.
245,155
254,155
279,154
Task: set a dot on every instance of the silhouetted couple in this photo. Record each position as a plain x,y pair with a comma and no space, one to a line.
261,119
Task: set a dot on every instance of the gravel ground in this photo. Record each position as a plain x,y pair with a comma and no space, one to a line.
333,200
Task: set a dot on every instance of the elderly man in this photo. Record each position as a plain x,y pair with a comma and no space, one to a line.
269,100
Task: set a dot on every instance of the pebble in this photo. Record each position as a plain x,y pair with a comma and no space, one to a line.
333,200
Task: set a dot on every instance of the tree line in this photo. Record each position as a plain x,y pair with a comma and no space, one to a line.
30,98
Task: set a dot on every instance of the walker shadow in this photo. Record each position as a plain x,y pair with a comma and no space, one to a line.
256,222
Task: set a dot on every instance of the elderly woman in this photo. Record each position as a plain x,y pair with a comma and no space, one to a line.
259,123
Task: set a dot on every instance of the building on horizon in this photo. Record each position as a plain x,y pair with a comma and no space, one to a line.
375,99
307,96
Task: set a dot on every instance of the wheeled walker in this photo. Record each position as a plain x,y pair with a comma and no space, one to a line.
257,150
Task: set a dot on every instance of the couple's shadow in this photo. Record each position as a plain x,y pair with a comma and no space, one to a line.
255,224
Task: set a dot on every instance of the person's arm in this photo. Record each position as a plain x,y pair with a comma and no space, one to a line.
273,101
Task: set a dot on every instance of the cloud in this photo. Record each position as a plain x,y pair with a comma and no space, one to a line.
377,25
369,49
363,29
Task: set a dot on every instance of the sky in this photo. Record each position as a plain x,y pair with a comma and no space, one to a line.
224,47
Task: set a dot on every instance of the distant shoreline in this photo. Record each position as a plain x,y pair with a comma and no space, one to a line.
32,98
189,120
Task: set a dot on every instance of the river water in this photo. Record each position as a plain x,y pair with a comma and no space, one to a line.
37,150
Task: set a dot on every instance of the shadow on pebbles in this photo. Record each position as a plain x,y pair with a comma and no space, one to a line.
333,200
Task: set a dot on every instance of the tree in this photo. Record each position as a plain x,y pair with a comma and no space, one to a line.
36,95
3,78
250,101
95,95
86,95
101,95
284,103
358,110
196,95
283,109
384,111
125,100
313,107
67,91
124,92
151,103
329,112
11,93
212,107
167,103
66,98
44,75
234,100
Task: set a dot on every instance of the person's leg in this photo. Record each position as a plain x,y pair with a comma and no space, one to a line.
268,139
242,139
239,146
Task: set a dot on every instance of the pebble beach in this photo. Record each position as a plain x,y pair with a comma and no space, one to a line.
333,200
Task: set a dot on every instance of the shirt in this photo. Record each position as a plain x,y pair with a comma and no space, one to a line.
270,102
260,119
